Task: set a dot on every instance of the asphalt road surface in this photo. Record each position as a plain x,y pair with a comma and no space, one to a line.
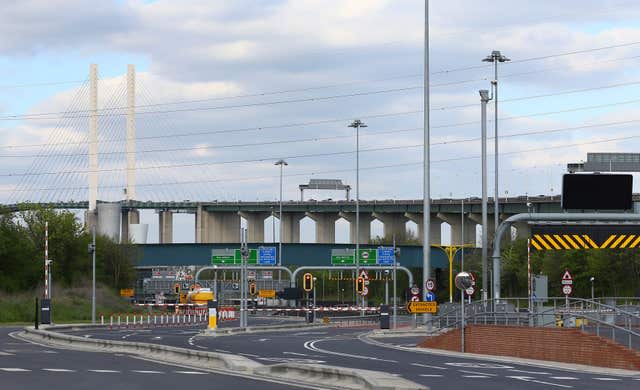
24,365
349,348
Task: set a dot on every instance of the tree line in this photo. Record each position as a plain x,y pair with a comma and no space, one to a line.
22,238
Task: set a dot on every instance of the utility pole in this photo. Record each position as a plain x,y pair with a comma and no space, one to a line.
357,124
92,250
496,57
282,164
426,197
484,99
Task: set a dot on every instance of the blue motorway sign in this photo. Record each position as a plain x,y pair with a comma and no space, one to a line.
267,255
430,297
386,255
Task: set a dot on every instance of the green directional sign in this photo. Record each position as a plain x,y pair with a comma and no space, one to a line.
368,257
342,257
252,259
232,256
223,256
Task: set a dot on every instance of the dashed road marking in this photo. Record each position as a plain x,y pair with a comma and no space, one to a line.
475,376
530,372
428,366
478,373
58,370
13,369
147,372
564,378
191,372
249,354
295,353
477,365
105,371
531,379
607,379
5,353
431,375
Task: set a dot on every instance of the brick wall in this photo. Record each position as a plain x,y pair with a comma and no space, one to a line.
556,344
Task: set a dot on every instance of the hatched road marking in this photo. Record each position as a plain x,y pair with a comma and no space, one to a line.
428,366
478,373
608,379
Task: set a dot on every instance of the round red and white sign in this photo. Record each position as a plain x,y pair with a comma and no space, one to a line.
365,255
415,291
415,298
567,289
471,290
430,285
365,291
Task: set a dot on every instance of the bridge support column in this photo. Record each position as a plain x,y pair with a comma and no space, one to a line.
202,228
523,230
255,225
325,227
435,231
455,222
394,225
491,230
128,217
223,227
165,227
291,227
365,227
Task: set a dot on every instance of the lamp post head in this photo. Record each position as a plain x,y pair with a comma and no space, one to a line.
592,279
281,162
496,56
357,124
484,95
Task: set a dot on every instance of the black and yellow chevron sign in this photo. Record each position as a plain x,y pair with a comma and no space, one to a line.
583,241
581,237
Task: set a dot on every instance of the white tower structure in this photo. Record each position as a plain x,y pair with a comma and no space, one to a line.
93,137
131,133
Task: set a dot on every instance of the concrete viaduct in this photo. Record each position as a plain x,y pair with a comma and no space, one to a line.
219,222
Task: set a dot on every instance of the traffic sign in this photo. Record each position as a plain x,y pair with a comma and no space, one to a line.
470,291
267,255
422,307
430,285
567,289
365,291
415,290
415,298
386,255
342,257
267,293
363,274
368,257
567,279
430,297
223,256
251,274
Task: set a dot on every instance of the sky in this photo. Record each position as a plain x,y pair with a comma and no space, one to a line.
224,89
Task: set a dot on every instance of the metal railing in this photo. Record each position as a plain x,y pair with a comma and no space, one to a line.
621,325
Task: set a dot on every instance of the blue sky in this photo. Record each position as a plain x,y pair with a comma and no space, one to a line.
214,54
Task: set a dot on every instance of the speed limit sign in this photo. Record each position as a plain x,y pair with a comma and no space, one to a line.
430,284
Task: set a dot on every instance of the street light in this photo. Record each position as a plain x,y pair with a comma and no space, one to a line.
496,57
357,124
282,164
484,99
592,279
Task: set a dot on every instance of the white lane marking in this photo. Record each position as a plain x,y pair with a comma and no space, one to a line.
13,369
128,335
105,371
475,376
147,372
478,373
564,378
222,350
58,370
309,333
607,379
428,366
530,379
249,354
5,353
310,345
191,372
295,353
157,338
431,375
87,336
531,372
477,365
48,351
262,340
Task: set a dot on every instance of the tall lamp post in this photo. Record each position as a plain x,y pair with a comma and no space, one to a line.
357,124
282,164
495,57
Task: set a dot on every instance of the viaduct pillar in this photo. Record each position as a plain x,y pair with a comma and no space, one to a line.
394,225
291,227
365,227
454,220
165,226
255,225
325,226
435,231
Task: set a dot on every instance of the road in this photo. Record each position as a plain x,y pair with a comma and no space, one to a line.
24,365
349,348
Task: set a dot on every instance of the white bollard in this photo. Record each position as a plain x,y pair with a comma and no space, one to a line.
127,321
101,319
111,321
148,320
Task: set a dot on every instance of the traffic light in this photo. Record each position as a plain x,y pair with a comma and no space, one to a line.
307,282
176,288
252,289
359,285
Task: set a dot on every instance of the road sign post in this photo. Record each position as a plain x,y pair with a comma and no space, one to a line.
567,286
421,307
